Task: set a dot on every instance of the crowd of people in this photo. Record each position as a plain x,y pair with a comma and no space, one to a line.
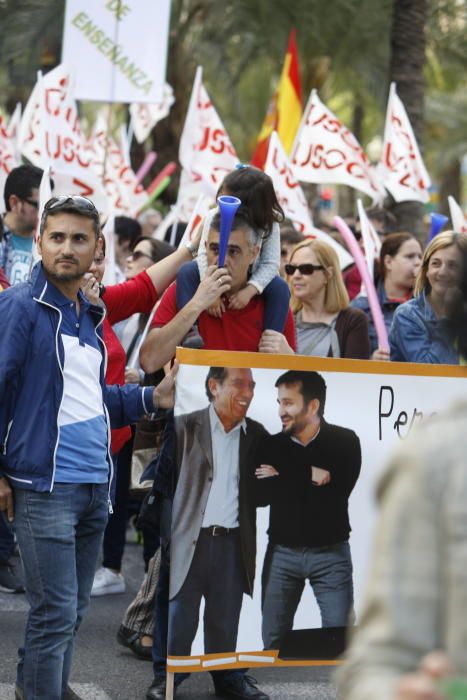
87,377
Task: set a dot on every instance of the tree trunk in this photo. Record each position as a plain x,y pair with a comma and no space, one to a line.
450,185
406,70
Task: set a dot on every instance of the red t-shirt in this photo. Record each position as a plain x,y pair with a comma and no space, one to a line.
137,295
239,330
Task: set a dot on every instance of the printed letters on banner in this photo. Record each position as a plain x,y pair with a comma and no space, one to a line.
402,170
271,498
117,50
292,199
50,136
8,159
325,151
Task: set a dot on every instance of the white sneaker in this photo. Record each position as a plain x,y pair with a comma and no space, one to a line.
106,581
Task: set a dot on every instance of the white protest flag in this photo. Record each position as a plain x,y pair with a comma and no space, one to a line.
292,199
110,273
325,151
8,157
50,136
458,218
125,195
144,117
45,193
288,189
205,151
402,170
118,50
13,129
200,210
371,240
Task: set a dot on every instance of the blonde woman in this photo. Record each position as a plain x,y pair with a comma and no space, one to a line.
326,325
418,331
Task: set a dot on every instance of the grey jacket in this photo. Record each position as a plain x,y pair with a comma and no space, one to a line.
194,467
416,595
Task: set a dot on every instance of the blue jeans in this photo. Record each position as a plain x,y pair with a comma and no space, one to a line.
329,571
59,536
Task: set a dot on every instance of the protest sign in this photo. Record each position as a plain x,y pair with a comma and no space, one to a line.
371,240
50,136
402,170
371,405
458,218
325,151
8,158
206,150
292,199
118,50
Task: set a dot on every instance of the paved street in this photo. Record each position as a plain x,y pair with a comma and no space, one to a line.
103,670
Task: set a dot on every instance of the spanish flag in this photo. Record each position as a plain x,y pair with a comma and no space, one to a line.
285,109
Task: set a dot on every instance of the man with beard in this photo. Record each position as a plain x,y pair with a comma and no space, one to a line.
55,413
307,473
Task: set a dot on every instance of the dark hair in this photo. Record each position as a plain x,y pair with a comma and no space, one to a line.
70,207
291,235
240,221
391,246
127,229
21,181
256,191
311,386
386,220
218,373
159,249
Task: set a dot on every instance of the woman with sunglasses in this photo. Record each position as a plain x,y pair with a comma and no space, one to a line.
396,270
325,323
418,331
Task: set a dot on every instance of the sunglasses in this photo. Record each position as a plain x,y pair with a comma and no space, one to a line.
75,200
32,202
138,254
305,269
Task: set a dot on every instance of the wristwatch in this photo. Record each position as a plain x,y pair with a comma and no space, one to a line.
193,249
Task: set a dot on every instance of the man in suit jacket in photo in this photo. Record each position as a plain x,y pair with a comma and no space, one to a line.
213,547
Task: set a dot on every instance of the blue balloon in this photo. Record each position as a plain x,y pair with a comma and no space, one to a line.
228,206
438,221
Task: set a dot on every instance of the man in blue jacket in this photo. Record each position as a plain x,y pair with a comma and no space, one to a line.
55,415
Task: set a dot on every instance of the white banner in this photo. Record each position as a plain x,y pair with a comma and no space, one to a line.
144,117
458,218
117,50
292,199
380,402
325,151
125,195
50,136
371,240
206,151
402,170
8,158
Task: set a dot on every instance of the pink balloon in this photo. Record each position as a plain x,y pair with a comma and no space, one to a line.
360,262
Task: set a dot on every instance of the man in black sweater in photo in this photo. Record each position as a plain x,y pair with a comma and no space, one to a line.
306,475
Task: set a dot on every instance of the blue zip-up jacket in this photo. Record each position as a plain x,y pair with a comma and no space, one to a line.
31,383
418,336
